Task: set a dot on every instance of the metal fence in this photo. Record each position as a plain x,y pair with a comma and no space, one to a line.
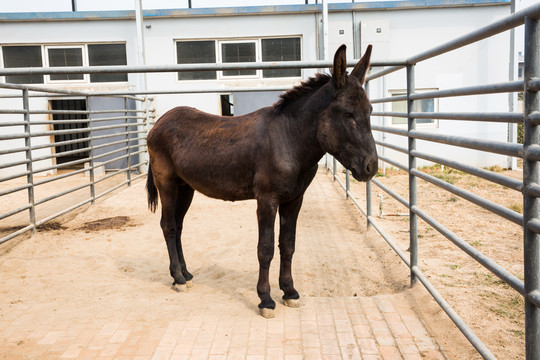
529,186
103,149
529,152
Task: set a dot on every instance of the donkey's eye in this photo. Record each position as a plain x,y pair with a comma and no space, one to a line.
349,116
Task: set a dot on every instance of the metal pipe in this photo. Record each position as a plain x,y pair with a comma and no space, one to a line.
497,27
484,174
29,164
497,147
411,126
392,193
394,163
470,250
462,326
15,189
314,64
515,118
392,146
495,208
512,86
531,135
391,130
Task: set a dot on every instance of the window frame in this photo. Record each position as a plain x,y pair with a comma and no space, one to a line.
84,58
85,61
400,92
219,57
258,72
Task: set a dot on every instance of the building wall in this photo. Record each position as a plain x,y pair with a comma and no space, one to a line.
402,33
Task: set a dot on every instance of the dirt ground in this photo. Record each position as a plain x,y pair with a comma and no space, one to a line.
76,263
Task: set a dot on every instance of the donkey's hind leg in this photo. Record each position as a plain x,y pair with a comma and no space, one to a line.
288,215
168,192
184,197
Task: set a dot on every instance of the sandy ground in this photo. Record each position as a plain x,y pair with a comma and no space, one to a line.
110,259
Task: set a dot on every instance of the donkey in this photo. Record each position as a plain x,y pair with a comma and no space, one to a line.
270,155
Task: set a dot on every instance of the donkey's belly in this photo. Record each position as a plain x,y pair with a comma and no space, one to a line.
230,188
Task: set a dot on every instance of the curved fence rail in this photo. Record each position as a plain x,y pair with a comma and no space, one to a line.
105,142
529,186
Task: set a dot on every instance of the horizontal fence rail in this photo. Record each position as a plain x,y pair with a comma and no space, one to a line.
102,138
103,149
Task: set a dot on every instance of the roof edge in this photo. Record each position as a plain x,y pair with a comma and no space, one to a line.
242,11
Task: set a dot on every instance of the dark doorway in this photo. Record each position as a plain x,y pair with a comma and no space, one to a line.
67,143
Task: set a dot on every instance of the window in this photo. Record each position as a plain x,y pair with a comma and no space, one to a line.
64,56
235,52
423,105
281,50
69,56
196,52
22,57
226,51
107,54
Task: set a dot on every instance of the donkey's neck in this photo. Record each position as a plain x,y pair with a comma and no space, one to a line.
302,119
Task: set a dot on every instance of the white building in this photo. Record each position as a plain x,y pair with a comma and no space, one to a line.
396,29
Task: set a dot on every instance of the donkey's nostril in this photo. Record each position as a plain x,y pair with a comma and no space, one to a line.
369,168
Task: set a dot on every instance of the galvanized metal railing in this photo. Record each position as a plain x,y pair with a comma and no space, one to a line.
529,151
529,186
122,137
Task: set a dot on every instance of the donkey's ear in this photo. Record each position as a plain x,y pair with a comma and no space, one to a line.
339,72
362,67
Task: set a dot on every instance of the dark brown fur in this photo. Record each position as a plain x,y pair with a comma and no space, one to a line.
270,155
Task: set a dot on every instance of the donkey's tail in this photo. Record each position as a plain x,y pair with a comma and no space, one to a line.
151,191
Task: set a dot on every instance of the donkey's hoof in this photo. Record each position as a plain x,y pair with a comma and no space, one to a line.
179,287
267,313
294,303
189,284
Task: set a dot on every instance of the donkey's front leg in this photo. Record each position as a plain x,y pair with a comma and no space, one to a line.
266,215
288,215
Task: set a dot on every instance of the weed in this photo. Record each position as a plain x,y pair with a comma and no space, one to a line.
495,168
449,178
476,243
453,266
453,199
517,207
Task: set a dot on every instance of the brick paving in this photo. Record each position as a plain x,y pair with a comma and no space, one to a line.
107,295
378,327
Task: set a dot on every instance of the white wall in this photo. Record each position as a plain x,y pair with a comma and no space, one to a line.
404,33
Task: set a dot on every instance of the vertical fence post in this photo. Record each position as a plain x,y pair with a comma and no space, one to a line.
91,158
29,164
411,125
128,143
368,183
531,246
334,170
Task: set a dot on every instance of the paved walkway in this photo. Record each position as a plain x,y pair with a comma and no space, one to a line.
379,327
104,293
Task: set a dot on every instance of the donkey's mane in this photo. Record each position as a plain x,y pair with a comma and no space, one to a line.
312,84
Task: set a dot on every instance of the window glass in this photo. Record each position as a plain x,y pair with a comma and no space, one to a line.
104,55
238,52
287,49
424,105
196,52
65,57
23,57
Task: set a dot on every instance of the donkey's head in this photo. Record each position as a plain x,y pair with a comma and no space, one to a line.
344,129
